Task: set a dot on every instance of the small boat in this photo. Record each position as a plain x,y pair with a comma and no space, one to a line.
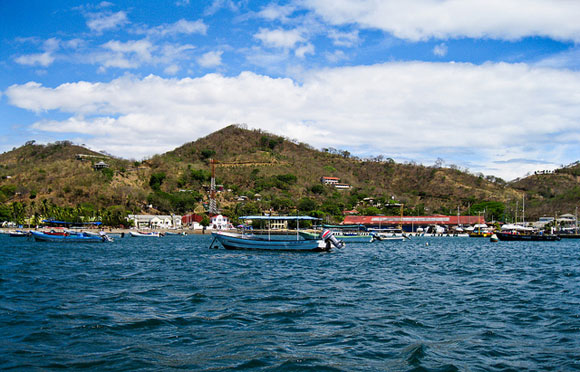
69,237
18,234
151,234
392,234
481,230
386,237
346,233
249,241
518,236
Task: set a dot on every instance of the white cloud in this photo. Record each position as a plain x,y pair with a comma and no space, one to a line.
133,54
420,111
440,50
221,4
171,70
336,56
210,59
279,38
274,12
423,19
346,39
130,54
100,22
567,59
45,59
182,26
36,59
302,50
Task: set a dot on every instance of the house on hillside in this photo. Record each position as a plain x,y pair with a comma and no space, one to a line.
329,180
342,186
100,165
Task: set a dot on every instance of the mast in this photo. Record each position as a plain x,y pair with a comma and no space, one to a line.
524,210
212,190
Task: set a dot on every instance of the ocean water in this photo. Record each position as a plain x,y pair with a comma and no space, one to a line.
428,304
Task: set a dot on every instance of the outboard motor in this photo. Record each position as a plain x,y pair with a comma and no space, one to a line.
328,238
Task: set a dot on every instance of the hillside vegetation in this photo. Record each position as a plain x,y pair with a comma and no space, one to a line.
259,172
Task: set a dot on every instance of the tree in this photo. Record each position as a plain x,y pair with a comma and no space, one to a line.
317,189
207,153
156,180
306,204
371,211
18,212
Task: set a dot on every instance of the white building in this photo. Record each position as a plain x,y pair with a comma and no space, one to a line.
220,222
149,221
329,180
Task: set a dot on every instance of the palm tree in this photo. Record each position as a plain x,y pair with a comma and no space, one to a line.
18,212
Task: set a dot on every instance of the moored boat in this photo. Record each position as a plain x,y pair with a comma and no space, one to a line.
18,234
249,241
346,233
151,234
518,236
69,238
481,231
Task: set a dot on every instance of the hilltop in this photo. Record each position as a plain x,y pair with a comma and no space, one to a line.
260,171
551,193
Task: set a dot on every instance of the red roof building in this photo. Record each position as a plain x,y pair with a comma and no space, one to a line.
329,180
376,221
191,218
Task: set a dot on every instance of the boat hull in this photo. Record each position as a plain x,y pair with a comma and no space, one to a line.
236,241
42,237
144,235
482,234
345,238
505,236
387,237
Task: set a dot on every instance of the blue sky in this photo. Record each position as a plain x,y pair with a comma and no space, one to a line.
490,86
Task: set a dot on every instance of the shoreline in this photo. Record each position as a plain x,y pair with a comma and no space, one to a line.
5,230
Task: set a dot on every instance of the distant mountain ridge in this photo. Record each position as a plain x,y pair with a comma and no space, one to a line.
261,171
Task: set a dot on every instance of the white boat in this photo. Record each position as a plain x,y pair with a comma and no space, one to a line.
19,233
347,233
151,234
387,234
250,241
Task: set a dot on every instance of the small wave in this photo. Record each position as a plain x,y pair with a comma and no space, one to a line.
140,324
408,322
445,368
306,364
415,354
251,364
196,298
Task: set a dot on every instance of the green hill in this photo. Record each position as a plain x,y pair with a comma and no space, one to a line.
551,193
259,171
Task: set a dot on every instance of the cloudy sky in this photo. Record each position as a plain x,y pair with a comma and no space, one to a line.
488,85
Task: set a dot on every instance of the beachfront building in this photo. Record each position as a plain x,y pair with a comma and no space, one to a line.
220,222
413,223
150,221
192,221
